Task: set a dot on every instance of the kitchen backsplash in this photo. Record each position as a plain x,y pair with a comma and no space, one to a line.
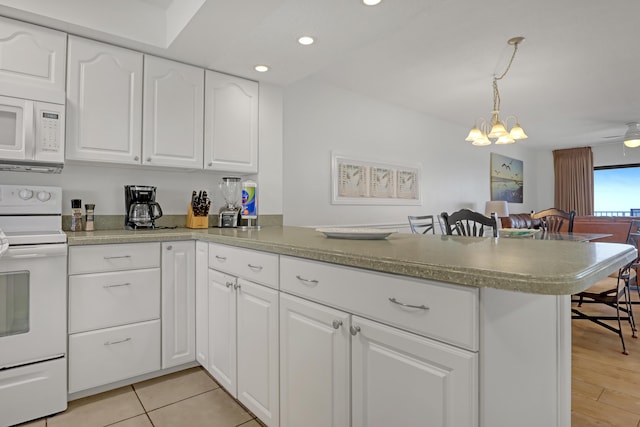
116,222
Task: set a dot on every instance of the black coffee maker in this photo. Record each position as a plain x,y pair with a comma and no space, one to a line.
140,206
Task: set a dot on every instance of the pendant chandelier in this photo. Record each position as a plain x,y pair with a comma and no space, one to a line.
495,128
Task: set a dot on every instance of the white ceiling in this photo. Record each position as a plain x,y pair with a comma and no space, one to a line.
575,81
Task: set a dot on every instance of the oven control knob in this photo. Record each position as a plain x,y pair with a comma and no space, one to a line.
43,196
25,194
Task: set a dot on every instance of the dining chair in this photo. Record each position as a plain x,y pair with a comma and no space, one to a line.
618,297
553,219
421,224
466,222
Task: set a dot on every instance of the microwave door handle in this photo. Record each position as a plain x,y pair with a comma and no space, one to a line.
29,129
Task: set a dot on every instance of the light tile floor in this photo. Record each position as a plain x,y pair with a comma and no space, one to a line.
186,398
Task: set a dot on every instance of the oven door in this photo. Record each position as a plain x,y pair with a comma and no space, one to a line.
33,304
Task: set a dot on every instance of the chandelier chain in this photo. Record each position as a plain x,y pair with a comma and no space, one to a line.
496,93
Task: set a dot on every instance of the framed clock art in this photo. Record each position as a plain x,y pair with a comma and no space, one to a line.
369,182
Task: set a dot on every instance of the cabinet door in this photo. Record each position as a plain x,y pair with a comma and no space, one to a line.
231,124
202,303
403,379
33,61
257,340
222,330
104,103
178,303
314,365
173,115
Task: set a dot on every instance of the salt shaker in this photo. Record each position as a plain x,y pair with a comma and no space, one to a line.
76,215
88,223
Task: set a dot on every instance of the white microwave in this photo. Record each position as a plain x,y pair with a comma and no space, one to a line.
31,135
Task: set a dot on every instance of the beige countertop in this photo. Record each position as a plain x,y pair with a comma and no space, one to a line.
524,265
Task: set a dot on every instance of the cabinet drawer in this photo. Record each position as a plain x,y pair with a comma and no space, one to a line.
114,354
99,258
451,314
102,300
260,267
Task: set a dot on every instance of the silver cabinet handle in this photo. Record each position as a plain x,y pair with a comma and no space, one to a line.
354,330
336,324
116,286
117,342
169,247
136,158
311,282
117,257
236,286
210,164
221,258
229,284
255,267
421,307
148,159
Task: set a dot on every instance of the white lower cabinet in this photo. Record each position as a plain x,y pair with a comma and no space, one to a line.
178,303
340,370
314,364
402,379
202,303
243,342
222,330
107,355
114,313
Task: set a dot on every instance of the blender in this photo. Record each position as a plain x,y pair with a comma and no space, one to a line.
228,216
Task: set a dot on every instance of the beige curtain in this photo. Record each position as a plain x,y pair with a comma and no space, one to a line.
573,169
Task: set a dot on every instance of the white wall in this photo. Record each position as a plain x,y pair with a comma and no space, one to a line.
320,118
104,185
615,154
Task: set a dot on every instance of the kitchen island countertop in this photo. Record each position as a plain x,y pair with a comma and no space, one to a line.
523,265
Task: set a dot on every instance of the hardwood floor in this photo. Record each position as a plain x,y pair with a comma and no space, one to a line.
605,382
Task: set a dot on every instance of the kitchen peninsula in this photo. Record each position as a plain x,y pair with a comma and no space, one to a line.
464,331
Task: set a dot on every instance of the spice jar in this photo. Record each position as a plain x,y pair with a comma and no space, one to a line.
88,223
76,215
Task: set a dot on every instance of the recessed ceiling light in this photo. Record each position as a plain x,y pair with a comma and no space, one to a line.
371,2
306,40
261,68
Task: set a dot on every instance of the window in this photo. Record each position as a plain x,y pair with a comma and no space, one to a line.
615,190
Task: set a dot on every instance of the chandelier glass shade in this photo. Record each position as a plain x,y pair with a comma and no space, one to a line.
482,131
632,136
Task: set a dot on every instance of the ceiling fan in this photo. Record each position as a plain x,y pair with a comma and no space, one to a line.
631,138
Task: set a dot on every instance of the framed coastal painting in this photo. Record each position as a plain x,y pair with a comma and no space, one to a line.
358,181
507,179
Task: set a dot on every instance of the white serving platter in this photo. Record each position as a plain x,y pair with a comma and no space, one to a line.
356,233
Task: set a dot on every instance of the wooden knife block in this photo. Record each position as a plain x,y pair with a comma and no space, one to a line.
196,221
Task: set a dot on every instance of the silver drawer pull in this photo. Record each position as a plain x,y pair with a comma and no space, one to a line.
311,282
336,324
255,267
236,286
229,284
116,286
354,330
421,307
117,342
117,257
221,258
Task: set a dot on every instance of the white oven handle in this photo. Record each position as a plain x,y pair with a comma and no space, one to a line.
35,251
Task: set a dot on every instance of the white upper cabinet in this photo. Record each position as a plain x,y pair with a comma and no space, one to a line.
173,115
32,61
104,103
231,124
